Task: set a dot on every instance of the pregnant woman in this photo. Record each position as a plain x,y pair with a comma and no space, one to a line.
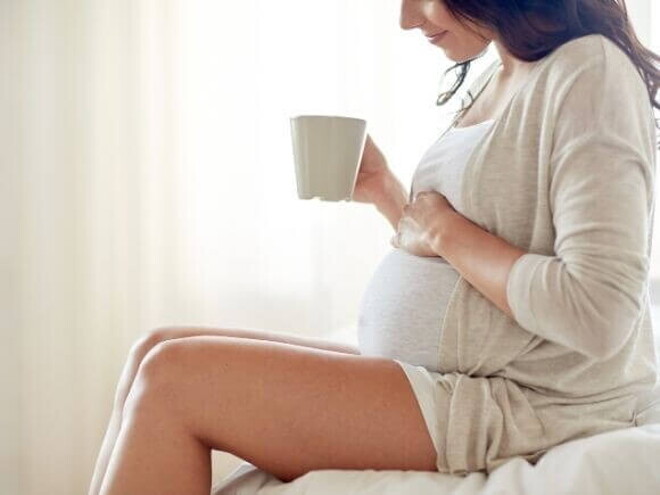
511,315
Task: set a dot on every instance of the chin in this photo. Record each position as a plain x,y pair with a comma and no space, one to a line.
458,58
465,55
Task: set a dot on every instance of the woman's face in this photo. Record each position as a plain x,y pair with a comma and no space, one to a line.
460,42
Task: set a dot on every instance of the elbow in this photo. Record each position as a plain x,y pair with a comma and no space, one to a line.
612,317
611,338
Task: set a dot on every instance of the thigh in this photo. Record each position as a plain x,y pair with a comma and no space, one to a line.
156,336
161,334
287,409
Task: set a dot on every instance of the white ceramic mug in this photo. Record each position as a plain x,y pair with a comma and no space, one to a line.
327,152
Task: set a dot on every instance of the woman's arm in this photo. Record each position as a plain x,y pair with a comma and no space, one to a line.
392,203
589,294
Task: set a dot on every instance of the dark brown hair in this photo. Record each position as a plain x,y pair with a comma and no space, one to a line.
531,29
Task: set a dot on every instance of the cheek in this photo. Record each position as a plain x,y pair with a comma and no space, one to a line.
439,15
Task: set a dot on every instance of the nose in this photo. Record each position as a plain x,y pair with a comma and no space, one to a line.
409,18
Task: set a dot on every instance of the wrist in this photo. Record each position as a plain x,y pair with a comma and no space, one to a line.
447,232
394,194
394,198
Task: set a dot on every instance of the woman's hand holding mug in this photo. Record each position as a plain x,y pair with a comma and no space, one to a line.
373,175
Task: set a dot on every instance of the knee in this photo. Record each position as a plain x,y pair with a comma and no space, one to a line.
155,380
140,348
149,340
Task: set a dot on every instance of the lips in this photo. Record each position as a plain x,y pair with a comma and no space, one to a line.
437,38
430,36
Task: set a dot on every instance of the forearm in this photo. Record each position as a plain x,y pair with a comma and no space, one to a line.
483,259
392,203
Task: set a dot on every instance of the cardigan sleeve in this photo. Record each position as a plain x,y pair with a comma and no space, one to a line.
589,295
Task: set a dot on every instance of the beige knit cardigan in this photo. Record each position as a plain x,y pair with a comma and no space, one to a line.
567,174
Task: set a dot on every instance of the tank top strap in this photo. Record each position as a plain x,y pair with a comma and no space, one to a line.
472,93
475,89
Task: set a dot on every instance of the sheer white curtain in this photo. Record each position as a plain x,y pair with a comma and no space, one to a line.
147,180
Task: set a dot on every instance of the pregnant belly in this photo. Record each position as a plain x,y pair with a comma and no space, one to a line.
402,308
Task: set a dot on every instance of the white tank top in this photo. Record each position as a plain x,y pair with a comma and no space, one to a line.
402,308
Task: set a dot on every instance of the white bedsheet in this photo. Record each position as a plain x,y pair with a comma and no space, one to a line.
617,462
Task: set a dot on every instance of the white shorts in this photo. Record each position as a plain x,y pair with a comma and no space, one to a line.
424,387
475,423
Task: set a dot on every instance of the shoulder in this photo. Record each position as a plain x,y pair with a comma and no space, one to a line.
591,57
580,50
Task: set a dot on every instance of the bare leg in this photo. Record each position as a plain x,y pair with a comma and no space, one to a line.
149,436
146,343
285,409
160,444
